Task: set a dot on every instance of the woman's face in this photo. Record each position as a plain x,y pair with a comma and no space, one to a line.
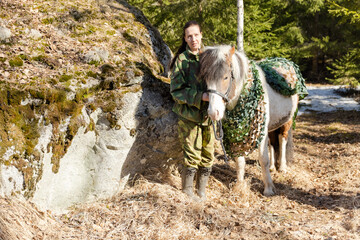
193,38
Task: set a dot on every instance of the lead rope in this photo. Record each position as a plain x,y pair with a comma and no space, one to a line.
220,138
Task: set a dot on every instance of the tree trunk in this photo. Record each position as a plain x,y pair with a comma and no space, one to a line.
240,26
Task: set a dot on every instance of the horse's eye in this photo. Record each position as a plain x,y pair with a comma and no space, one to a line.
226,78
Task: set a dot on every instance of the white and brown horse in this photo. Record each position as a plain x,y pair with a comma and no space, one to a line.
225,72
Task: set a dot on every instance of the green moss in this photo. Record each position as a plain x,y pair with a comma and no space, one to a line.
109,107
91,74
129,36
19,129
37,94
91,126
39,58
92,28
58,151
65,78
53,81
81,95
48,20
94,62
20,125
63,140
24,57
92,107
16,62
133,132
110,32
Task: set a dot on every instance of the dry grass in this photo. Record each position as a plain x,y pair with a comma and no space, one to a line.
318,198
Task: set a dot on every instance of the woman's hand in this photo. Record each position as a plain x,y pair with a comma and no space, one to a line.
205,97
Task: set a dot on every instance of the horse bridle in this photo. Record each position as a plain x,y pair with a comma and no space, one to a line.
225,96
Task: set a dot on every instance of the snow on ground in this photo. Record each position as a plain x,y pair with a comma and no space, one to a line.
325,99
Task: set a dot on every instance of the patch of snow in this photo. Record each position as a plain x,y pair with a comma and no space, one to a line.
326,99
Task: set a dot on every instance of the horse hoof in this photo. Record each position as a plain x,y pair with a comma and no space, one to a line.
272,169
282,169
240,187
269,192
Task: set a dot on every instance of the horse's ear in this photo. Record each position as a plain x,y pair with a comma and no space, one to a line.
232,51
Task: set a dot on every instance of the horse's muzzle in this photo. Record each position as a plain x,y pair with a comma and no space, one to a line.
214,115
216,107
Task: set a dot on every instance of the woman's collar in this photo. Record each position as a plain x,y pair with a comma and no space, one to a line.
191,52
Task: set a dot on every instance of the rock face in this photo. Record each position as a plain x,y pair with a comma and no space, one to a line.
84,100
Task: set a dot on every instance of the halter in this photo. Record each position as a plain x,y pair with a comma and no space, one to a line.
225,96
219,134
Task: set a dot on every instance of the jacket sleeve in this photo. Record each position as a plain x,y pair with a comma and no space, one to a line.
180,89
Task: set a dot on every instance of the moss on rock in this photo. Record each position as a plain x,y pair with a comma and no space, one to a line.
48,81
16,62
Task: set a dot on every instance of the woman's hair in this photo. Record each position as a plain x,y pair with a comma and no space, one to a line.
182,47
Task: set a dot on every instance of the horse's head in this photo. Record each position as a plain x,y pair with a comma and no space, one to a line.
223,70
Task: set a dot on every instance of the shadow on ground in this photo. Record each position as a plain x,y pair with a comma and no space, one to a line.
331,201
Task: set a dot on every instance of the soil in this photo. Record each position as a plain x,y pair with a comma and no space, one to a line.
317,198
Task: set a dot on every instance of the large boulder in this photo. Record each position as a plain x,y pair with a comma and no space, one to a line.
84,100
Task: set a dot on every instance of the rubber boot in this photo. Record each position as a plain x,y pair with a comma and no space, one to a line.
187,177
202,181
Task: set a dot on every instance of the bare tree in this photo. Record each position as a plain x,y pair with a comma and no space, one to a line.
240,26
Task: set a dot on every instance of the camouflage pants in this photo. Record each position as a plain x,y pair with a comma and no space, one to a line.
197,143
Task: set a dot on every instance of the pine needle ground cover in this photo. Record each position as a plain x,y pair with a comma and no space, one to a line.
318,198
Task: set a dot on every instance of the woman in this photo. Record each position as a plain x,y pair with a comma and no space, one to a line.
191,103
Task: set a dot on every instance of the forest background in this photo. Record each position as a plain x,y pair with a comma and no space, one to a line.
321,36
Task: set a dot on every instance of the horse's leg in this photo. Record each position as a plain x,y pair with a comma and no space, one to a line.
289,148
265,167
240,169
272,140
240,185
283,136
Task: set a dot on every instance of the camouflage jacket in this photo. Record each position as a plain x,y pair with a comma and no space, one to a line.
187,90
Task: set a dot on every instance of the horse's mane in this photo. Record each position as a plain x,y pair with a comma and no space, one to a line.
214,65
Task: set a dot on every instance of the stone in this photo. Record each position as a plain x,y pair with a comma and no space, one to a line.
35,34
5,33
82,139
96,55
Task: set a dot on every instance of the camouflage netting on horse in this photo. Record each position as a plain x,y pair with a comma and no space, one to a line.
284,76
244,125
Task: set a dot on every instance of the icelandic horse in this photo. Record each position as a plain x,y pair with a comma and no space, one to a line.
225,72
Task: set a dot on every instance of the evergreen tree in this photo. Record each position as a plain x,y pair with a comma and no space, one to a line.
346,69
219,22
319,35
